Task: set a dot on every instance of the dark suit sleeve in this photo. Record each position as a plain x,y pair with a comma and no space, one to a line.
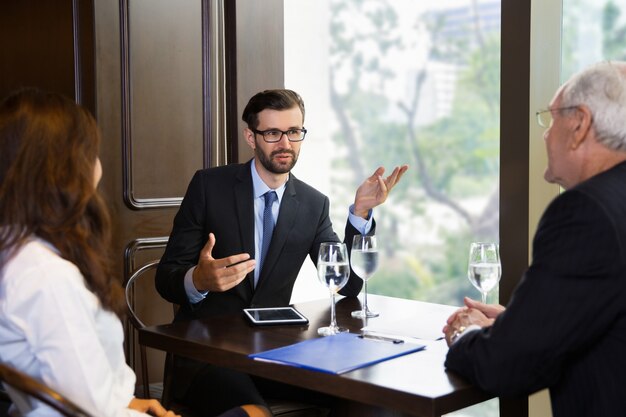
565,303
183,248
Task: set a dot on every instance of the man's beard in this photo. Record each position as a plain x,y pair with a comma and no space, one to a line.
273,166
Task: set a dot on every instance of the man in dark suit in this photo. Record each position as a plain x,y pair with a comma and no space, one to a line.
565,325
210,267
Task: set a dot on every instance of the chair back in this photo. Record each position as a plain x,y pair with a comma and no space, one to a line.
26,385
129,290
141,299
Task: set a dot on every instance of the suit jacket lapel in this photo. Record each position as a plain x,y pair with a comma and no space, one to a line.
244,207
286,219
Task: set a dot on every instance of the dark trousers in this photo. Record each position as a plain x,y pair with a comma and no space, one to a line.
214,390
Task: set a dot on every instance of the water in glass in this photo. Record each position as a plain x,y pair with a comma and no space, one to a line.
484,268
333,270
364,262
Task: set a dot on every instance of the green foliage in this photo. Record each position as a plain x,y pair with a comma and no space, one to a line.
460,152
365,48
613,35
438,274
395,284
483,76
465,144
577,25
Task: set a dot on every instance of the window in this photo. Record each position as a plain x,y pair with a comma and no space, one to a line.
394,82
592,31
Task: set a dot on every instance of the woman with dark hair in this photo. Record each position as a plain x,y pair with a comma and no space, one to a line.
60,305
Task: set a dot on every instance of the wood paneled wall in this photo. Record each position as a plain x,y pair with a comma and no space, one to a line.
48,44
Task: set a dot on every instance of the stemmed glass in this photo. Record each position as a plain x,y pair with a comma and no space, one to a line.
333,270
484,267
364,261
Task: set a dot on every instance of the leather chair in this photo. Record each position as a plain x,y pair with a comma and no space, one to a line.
25,386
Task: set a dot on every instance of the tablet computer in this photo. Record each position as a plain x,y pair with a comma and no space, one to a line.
274,315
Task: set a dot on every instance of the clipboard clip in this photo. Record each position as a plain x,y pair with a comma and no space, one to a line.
381,338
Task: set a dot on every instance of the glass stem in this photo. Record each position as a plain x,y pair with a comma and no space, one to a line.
484,297
365,309
333,322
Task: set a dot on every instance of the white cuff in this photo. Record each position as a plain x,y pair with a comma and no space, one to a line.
359,223
193,294
463,331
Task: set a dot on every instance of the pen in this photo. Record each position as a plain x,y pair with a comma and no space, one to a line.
381,338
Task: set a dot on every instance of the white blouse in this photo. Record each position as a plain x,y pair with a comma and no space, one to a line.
54,329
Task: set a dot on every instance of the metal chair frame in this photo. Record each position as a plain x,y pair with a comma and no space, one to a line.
136,321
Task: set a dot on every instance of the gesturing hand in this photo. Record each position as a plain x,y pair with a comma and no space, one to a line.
220,274
375,189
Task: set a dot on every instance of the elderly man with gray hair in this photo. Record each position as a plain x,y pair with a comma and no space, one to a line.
565,325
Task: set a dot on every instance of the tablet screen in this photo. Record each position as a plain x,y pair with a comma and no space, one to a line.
275,315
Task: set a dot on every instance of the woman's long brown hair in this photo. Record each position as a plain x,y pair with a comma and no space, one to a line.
48,151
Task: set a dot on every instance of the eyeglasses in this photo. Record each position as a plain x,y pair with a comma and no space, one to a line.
544,117
275,135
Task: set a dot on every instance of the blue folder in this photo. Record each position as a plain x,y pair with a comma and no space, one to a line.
337,354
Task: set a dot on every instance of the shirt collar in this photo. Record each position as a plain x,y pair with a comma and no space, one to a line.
259,187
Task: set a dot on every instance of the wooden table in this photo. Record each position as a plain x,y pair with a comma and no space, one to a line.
413,385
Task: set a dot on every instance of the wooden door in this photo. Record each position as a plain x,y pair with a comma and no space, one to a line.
162,117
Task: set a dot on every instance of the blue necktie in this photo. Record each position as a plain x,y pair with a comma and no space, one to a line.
268,225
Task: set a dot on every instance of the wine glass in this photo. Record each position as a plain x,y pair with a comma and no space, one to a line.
484,267
364,261
333,270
